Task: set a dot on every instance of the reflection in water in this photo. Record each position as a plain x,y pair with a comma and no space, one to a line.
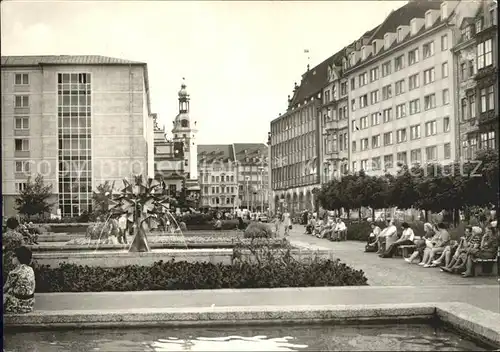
402,337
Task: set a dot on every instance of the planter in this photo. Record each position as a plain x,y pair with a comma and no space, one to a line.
114,259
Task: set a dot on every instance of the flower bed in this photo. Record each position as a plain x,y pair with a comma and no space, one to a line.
188,276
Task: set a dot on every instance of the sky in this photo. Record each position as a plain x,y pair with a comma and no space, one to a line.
239,59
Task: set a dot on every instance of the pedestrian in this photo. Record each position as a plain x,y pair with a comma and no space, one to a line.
123,228
287,222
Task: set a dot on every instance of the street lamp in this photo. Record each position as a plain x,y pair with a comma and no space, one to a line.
247,178
261,169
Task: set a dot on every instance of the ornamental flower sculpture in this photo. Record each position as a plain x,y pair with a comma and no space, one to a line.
144,204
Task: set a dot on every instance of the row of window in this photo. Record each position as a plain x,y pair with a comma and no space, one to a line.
486,103
216,179
299,118
215,190
302,142
402,135
486,140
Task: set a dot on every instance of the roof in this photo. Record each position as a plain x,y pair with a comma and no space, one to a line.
65,60
404,15
210,152
250,150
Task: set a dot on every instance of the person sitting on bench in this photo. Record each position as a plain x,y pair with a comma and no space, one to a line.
454,250
406,239
388,233
473,241
372,244
327,229
340,231
435,246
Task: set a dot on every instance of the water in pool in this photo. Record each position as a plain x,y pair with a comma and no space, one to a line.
402,337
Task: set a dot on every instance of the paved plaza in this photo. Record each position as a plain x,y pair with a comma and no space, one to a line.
390,280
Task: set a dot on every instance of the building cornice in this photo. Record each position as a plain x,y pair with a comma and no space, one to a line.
395,49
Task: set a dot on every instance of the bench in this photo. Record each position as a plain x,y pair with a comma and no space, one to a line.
407,250
485,266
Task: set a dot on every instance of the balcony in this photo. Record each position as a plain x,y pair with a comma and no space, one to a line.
331,125
489,73
487,117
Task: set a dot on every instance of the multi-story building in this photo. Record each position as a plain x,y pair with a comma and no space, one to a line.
234,176
77,120
295,144
401,83
476,63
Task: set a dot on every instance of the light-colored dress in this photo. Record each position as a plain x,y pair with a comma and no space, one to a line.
19,290
286,220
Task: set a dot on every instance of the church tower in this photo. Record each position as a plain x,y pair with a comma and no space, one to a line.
185,131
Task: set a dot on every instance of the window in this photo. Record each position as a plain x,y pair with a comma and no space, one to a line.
363,101
341,141
400,87
387,92
364,164
343,88
353,86
386,68
353,104
363,122
363,79
444,69
22,101
479,25
415,132
470,65
446,96
466,33
20,186
326,97
428,49
429,76
493,16
400,34
353,125
22,123
23,166
22,79
463,71
374,45
22,145
446,124
463,110
346,141
402,158
399,63
430,101
353,146
413,56
444,42
487,99
400,111
364,144
414,106
487,140
388,138
472,106
428,20
374,97
376,163
387,115
376,141
431,153
484,54
430,128
354,166
388,161
413,81
401,135
447,150
373,74
375,119
415,156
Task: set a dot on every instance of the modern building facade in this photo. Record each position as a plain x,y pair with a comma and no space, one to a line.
78,121
234,176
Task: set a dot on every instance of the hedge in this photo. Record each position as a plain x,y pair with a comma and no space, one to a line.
182,275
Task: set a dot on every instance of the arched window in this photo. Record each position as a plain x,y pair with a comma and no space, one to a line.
184,123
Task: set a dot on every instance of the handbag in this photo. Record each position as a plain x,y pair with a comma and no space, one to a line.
290,227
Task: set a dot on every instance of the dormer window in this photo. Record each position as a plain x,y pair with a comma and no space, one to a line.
374,44
413,25
400,34
428,19
444,10
363,53
466,33
386,41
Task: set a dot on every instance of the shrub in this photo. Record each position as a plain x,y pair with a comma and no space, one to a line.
258,230
12,223
187,276
359,231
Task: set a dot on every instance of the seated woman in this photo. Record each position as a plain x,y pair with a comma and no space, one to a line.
328,228
421,243
340,230
473,242
406,239
372,244
19,289
454,250
486,250
387,237
319,228
435,246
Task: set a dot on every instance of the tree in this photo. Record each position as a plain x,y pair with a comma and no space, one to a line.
143,202
101,198
34,198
